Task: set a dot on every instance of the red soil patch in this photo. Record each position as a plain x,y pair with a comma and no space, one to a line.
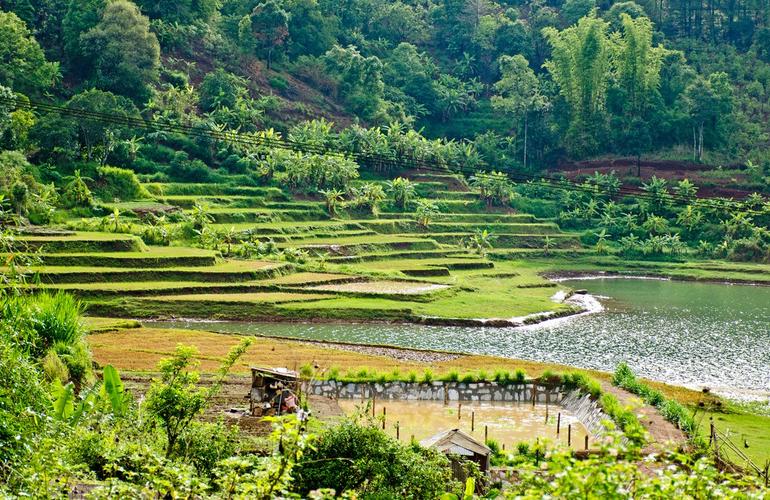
666,169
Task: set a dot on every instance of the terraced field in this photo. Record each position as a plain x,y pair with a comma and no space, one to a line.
352,267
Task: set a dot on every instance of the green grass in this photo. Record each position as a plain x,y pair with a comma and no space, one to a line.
739,425
269,297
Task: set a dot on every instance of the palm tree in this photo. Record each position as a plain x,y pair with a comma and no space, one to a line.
426,211
229,238
689,218
547,245
402,190
372,195
332,198
657,191
601,243
200,217
133,145
76,192
481,241
655,224
113,220
686,190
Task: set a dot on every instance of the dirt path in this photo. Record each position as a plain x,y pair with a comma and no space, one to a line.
663,434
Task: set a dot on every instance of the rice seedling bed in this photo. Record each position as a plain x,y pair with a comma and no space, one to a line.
225,272
267,297
81,242
308,278
369,257
154,257
212,189
387,287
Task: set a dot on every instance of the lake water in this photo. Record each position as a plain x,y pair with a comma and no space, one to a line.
691,334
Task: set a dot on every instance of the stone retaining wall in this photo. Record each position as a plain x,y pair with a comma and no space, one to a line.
437,391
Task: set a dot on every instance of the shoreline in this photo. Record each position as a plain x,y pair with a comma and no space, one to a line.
561,276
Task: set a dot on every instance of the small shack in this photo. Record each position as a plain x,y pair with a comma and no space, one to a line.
273,391
455,442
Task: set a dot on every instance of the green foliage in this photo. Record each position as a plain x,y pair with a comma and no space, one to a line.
402,190
670,409
23,66
220,89
179,11
23,401
425,212
564,476
119,184
123,54
360,458
265,30
175,399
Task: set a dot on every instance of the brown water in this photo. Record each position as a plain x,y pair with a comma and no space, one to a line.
506,423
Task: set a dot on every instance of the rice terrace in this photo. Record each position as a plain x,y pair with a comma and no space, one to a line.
324,249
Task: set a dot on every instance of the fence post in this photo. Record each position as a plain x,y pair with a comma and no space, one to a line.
459,410
558,423
569,435
384,416
473,421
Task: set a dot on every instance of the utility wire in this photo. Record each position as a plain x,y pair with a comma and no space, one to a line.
546,182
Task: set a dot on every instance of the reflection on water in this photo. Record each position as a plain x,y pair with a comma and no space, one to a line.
692,334
506,423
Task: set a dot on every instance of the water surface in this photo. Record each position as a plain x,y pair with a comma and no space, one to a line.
691,334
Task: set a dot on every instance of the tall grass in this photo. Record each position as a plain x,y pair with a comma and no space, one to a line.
57,319
670,410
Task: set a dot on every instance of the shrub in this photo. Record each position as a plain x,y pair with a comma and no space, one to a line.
204,444
362,458
119,184
427,376
451,376
22,399
54,368
278,83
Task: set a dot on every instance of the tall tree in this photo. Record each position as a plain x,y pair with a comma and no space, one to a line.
81,16
265,30
636,72
579,65
98,138
23,67
124,53
518,92
709,104
179,11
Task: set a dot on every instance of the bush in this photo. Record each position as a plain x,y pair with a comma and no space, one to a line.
278,83
119,184
361,458
204,444
22,400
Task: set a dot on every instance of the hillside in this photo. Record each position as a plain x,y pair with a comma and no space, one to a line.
451,209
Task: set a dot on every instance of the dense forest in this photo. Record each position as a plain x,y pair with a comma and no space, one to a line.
521,84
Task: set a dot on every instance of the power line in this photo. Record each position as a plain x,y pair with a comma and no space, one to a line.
546,182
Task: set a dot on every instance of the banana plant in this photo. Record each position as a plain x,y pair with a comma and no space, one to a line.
67,407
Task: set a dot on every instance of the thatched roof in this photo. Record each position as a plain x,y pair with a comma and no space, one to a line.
457,442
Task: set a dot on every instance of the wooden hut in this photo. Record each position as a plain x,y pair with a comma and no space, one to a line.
456,443
273,391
